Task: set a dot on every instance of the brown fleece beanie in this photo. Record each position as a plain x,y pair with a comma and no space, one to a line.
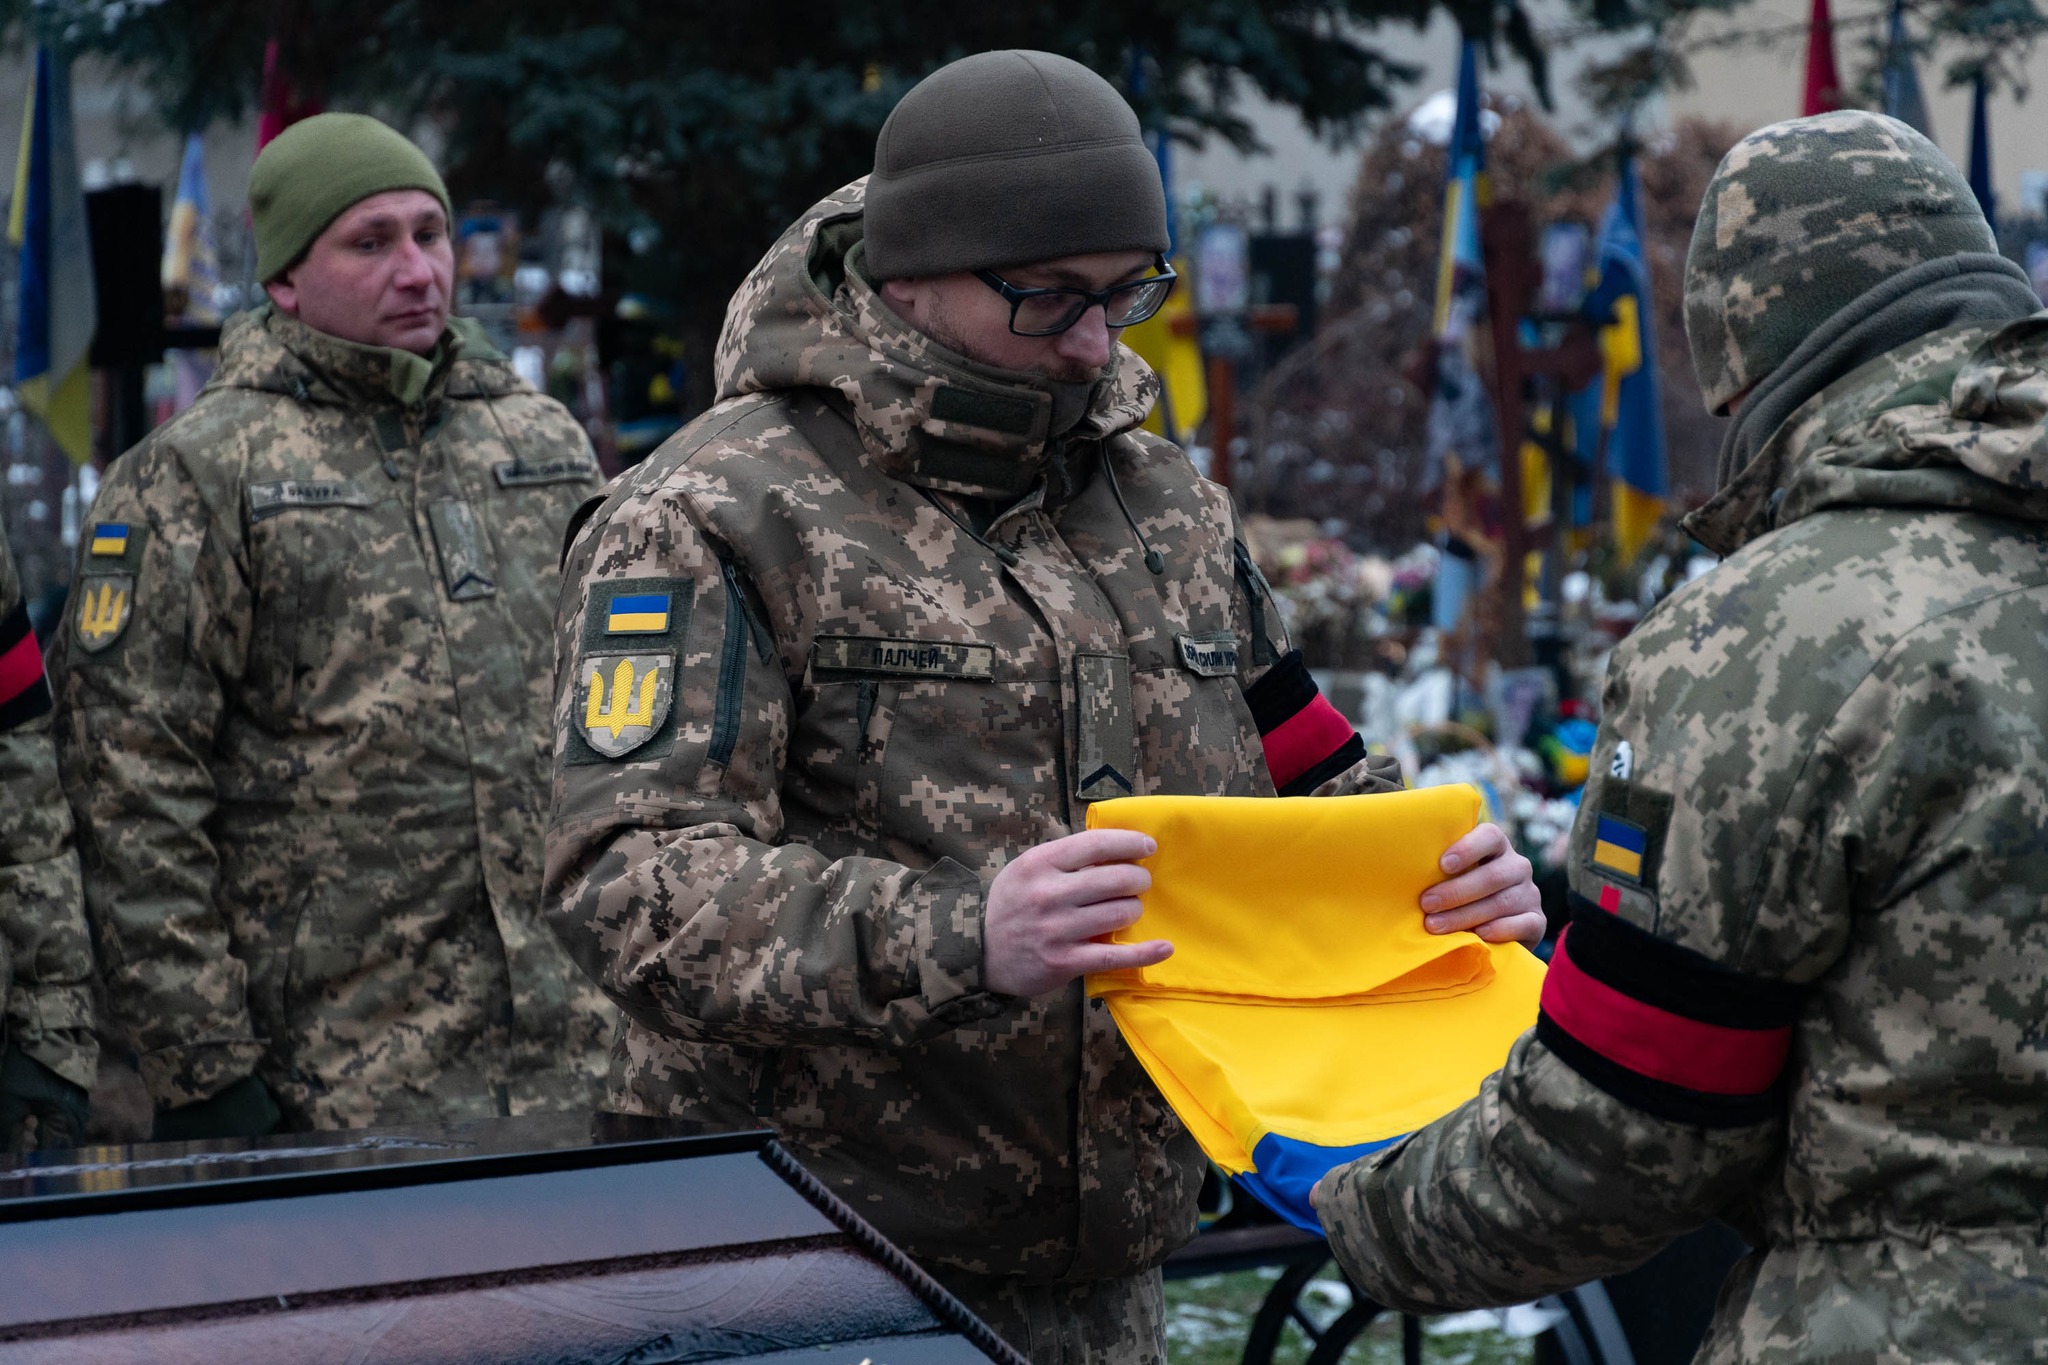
1007,159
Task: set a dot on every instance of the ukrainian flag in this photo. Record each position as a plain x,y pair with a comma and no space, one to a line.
46,224
640,614
1620,414
110,538
191,266
1618,847
1294,1045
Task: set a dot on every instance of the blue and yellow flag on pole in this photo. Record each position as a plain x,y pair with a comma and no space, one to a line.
46,225
191,266
1460,414
1622,409
1461,419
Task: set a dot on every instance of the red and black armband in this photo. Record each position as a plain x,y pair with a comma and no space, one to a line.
1664,1029
24,688
1307,741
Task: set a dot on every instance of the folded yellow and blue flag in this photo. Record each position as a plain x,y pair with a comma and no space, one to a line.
1306,1016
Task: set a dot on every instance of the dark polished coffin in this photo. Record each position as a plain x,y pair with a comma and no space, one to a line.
606,1240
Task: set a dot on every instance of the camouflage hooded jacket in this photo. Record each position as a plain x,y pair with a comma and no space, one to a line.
1805,987
304,729
809,707
45,953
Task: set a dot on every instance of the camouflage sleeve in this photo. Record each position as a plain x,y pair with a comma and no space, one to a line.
1311,749
159,621
1735,814
667,875
42,916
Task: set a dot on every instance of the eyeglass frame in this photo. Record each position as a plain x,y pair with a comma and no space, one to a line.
1018,295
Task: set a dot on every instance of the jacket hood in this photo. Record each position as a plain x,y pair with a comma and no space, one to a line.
927,415
273,352
1955,420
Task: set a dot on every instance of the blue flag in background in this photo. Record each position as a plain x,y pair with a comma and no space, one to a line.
1622,408
1903,98
1980,152
46,224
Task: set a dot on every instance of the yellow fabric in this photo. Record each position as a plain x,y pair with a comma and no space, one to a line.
66,411
1536,509
1617,858
1446,259
1621,352
1304,997
1636,516
17,209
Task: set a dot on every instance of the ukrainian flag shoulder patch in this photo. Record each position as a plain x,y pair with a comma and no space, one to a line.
1618,847
644,613
636,615
109,540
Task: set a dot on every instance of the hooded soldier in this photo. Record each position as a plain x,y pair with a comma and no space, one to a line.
1806,977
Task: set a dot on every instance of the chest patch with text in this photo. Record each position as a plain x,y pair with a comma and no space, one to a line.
906,658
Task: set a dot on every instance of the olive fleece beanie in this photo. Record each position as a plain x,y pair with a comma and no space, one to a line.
1801,219
1006,159
313,171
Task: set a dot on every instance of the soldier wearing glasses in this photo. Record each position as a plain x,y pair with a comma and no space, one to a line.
841,666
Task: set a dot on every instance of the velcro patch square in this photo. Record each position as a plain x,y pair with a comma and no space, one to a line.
1618,846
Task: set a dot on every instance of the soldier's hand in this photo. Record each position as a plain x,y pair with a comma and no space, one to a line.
38,1108
1049,906
242,1110
1490,890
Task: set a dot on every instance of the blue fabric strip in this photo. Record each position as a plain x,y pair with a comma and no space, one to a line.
1286,1169
641,602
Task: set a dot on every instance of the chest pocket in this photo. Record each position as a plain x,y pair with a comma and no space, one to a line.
340,575
892,729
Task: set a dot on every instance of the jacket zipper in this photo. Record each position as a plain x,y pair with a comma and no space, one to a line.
732,668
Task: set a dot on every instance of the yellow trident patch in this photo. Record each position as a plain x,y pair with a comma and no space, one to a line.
105,604
625,700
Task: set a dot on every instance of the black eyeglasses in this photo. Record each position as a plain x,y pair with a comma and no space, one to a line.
1048,312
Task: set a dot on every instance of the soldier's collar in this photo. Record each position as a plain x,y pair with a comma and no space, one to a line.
934,418
373,372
